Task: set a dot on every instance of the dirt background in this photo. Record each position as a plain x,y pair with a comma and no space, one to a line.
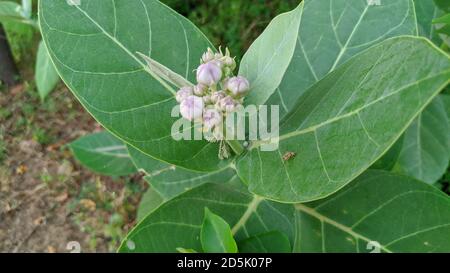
47,200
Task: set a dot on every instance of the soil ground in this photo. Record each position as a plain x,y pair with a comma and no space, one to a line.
48,202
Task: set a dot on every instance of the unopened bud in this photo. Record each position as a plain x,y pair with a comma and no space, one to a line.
191,108
238,86
209,73
217,96
183,93
211,118
227,104
200,89
208,56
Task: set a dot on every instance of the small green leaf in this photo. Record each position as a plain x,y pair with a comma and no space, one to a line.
216,236
270,242
46,76
103,153
184,250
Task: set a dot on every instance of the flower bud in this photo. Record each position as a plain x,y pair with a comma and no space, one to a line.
191,108
229,62
183,93
208,56
217,96
200,89
227,104
238,86
209,73
211,118
207,99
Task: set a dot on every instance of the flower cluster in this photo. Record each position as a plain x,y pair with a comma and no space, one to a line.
217,93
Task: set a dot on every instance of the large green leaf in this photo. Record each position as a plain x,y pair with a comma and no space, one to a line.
149,202
177,223
392,212
396,213
329,33
170,181
95,49
426,148
103,153
348,120
215,235
46,76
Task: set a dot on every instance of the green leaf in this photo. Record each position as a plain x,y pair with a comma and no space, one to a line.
177,223
265,71
215,235
103,153
46,76
426,12
150,201
347,121
95,49
10,11
170,181
426,150
270,242
330,32
397,213
388,160
443,5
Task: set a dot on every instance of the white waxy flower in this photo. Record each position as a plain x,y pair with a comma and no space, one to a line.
209,73
200,89
238,86
227,104
217,96
211,118
208,56
183,93
191,108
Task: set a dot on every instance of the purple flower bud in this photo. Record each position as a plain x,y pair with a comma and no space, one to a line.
208,56
209,73
227,104
211,118
191,108
183,93
217,96
238,86
200,89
